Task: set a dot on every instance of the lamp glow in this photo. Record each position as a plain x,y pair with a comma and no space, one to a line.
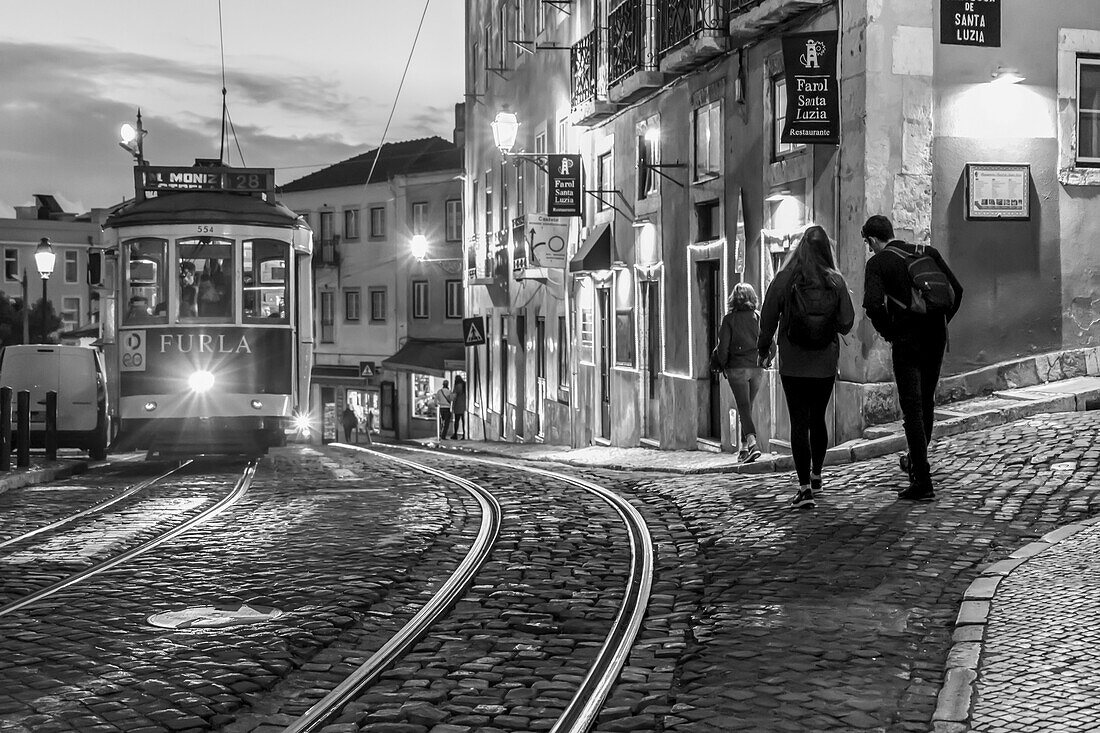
200,381
419,246
652,134
128,133
44,258
505,129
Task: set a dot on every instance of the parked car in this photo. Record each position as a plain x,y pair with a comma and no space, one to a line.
78,376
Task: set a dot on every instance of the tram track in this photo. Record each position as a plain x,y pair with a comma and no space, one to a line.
580,713
238,491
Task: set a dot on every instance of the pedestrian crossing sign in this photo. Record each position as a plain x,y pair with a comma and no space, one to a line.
366,369
473,331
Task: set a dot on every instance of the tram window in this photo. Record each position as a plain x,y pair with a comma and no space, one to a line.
146,282
205,271
264,282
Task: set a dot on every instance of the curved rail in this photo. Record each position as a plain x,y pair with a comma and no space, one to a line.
399,644
92,510
224,503
581,712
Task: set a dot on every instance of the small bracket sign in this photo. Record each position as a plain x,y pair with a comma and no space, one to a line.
473,331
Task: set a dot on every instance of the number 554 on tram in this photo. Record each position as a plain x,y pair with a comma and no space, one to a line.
212,335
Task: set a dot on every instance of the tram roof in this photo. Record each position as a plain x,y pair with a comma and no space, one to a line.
204,207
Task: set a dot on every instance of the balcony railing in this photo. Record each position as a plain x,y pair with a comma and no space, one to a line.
679,21
583,63
626,39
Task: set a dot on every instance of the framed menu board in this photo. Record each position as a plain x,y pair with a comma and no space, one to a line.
998,191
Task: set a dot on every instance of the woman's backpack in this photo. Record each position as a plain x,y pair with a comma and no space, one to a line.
811,313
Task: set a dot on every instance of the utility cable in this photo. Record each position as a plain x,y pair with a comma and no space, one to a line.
225,107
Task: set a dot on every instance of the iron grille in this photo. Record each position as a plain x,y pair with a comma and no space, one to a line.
679,21
626,39
582,62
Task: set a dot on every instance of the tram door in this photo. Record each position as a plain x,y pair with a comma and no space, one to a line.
603,306
709,274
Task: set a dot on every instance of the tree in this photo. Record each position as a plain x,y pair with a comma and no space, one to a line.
44,323
11,321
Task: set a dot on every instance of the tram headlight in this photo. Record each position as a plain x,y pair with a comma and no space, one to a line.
201,381
256,405
150,406
302,423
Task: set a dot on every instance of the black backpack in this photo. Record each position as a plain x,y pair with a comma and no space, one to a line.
931,291
812,313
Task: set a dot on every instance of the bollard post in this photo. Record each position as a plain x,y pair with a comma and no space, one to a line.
23,429
51,426
5,428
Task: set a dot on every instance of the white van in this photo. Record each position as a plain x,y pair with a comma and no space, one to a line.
78,376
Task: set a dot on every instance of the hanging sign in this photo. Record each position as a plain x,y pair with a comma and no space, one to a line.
813,99
566,189
473,331
540,241
970,22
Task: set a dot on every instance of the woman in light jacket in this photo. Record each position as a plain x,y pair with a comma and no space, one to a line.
737,337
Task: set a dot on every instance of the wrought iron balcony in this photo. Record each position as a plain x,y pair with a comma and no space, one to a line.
626,40
584,65
681,21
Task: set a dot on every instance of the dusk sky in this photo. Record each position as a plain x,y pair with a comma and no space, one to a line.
309,84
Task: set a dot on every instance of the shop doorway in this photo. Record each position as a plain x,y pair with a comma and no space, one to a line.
651,356
519,410
540,375
387,407
603,306
709,280
364,403
328,414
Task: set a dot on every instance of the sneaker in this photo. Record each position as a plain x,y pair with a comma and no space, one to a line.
815,483
916,492
804,499
742,456
752,453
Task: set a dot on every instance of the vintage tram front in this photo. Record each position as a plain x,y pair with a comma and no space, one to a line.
213,299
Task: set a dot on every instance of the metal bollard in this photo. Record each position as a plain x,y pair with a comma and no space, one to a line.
51,426
23,429
5,428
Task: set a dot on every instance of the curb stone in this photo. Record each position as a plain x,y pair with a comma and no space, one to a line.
42,475
955,703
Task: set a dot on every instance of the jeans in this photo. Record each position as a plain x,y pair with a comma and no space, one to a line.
916,372
444,421
745,384
807,400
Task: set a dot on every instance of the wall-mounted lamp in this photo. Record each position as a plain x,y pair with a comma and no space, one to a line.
505,130
418,246
653,137
1006,75
778,196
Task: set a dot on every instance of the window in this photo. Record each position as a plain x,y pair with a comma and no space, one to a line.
378,305
11,264
1088,106
420,298
488,207
563,135
541,182
454,299
205,271
520,185
502,36
707,217
70,313
563,354
264,280
648,155
708,140
72,273
146,276
378,221
779,115
328,307
351,305
454,220
420,217
327,223
351,223
540,17
605,180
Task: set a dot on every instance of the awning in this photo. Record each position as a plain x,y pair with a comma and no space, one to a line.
336,375
428,357
595,253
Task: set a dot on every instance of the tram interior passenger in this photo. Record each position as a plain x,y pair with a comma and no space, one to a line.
264,280
206,276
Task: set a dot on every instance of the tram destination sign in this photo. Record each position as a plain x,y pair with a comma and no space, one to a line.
154,180
970,22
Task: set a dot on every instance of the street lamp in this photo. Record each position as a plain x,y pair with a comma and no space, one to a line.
132,138
505,130
418,246
44,259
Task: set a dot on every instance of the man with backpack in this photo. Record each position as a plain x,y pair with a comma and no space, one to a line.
910,295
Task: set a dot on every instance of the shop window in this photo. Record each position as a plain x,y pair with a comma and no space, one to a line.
351,305
420,298
377,222
454,299
423,397
351,223
72,271
11,264
328,313
454,220
708,141
779,119
378,305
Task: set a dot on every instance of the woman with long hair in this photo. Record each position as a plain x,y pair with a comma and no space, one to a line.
736,357
809,304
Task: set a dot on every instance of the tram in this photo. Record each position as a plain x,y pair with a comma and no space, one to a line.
210,333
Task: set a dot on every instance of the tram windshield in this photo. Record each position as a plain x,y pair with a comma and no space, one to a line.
264,280
205,270
146,281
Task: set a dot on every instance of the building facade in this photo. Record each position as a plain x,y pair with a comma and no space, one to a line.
388,325
676,108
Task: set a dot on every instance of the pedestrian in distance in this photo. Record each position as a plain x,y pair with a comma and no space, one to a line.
349,421
368,423
735,357
809,305
458,407
443,397
910,295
